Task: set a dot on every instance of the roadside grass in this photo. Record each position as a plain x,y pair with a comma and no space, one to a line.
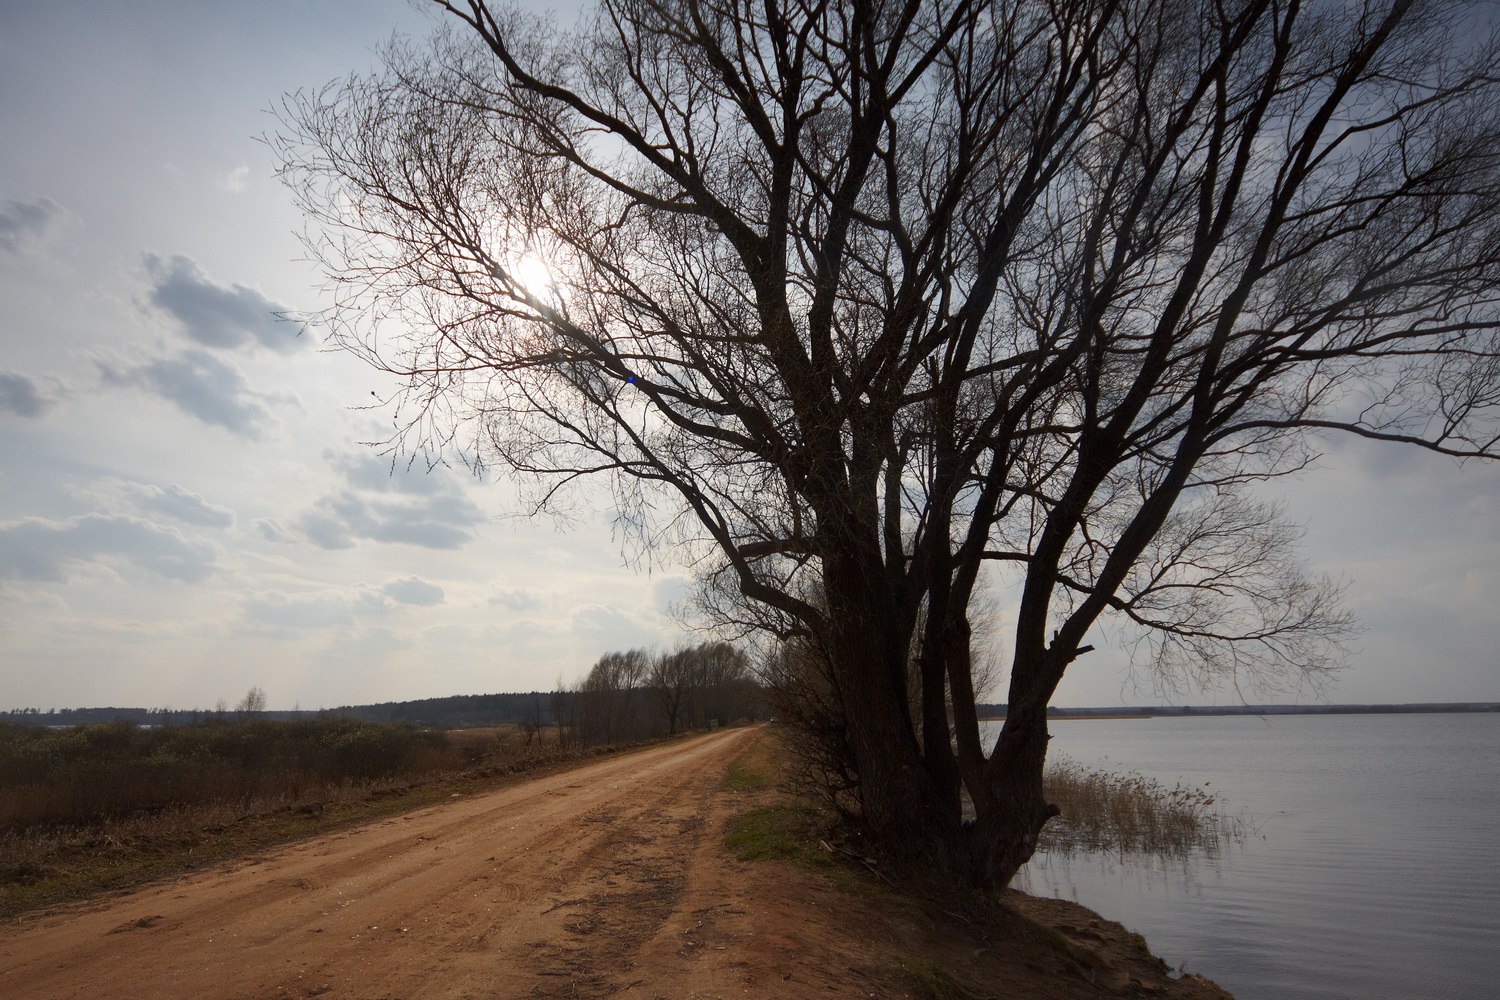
47,862
779,826
777,832
948,942
1132,814
929,980
754,770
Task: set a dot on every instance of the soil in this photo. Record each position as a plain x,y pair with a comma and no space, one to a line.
610,880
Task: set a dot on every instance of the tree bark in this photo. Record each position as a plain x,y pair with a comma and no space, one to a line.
901,803
1010,806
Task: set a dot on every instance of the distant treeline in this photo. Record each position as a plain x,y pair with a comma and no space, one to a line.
460,711
626,696
454,712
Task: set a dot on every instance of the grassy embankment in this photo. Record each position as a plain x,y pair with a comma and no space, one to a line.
103,807
1125,814
1101,811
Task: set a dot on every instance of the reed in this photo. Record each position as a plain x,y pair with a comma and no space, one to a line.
1132,814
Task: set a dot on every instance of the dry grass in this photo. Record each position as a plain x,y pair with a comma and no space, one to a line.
53,860
1132,814
87,774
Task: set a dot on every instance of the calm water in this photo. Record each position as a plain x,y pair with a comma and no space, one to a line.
1368,870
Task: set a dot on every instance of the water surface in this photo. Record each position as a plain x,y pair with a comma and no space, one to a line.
1367,870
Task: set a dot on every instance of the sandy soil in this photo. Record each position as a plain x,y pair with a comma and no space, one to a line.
607,880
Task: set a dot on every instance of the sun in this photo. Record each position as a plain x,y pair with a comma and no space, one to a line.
537,278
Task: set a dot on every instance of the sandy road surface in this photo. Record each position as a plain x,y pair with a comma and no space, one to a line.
605,880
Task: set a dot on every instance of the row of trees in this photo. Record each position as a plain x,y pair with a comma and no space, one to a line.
638,695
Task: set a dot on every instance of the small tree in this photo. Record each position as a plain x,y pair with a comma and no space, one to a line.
862,299
252,704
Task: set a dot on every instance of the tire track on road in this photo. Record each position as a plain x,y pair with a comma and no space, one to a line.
546,888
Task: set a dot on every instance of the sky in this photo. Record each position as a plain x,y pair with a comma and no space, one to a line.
187,505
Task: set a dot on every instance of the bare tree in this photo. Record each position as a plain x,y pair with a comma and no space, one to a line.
533,717
253,703
671,682
610,698
863,298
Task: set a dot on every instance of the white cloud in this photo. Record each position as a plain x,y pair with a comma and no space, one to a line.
181,505
218,315
607,623
518,598
336,609
200,385
237,180
40,550
381,504
29,223
413,591
301,611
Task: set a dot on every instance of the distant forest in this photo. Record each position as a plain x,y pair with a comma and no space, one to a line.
627,696
453,712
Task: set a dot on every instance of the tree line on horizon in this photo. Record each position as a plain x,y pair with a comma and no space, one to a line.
625,696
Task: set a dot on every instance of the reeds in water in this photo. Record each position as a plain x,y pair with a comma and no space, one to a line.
1132,814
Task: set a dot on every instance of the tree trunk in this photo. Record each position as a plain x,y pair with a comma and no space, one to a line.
1010,807
902,805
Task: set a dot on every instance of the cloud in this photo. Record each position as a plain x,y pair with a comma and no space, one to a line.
19,395
40,550
379,504
218,315
413,591
335,609
300,611
673,592
199,384
28,223
518,599
376,474
601,623
341,520
237,180
177,503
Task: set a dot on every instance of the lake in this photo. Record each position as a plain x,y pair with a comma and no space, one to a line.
1367,869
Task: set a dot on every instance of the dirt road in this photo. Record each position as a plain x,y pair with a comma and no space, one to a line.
569,885
610,880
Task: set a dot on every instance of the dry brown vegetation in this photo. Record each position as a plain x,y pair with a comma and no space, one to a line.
1131,814
95,808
